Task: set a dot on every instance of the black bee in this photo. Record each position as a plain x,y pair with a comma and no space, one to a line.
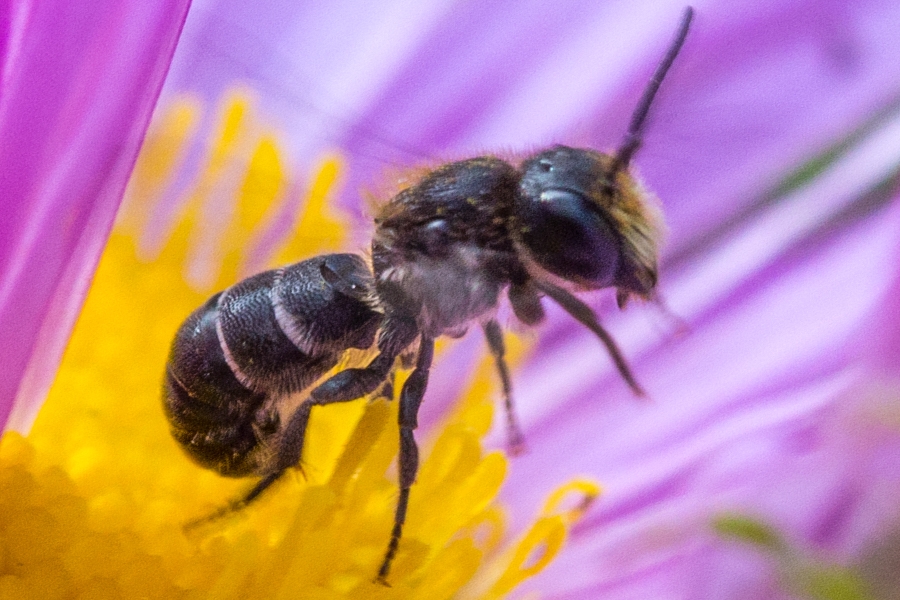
444,251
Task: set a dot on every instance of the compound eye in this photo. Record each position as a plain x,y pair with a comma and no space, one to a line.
569,237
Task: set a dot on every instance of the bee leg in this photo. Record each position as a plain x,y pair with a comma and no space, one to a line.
410,399
585,315
386,390
526,303
344,386
515,439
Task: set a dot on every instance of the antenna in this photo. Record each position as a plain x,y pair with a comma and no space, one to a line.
632,139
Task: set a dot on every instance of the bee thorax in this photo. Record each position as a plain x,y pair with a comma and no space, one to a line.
444,294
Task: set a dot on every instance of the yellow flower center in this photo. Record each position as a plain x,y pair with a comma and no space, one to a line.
95,498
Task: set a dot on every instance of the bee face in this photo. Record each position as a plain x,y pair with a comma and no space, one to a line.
582,219
562,224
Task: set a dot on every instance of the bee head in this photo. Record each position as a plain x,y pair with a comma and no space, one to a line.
582,218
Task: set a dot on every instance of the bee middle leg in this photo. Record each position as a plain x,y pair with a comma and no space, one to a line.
514,438
410,399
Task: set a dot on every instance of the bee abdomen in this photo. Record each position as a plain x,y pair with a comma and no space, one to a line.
206,405
321,316
246,349
262,357
216,439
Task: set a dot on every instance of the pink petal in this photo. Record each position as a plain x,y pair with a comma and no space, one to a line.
79,81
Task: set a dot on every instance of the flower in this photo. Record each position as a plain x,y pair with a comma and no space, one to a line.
773,151
88,514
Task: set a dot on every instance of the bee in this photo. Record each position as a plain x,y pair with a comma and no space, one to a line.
443,253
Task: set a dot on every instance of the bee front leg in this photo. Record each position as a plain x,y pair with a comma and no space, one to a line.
410,399
586,316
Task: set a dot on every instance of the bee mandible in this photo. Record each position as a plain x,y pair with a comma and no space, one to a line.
444,251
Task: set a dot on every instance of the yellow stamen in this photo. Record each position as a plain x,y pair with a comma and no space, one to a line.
162,153
262,187
588,491
320,228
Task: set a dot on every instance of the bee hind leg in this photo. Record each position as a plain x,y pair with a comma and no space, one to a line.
235,505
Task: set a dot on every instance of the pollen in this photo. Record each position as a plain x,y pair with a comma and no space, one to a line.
96,498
